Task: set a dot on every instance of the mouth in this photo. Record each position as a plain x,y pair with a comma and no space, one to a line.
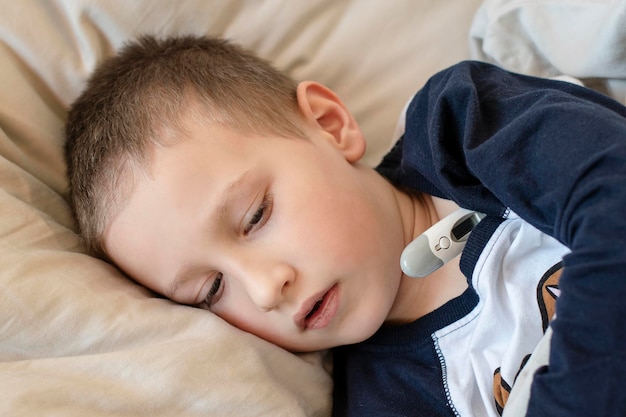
318,311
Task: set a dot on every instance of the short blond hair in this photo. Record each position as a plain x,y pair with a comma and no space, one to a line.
134,100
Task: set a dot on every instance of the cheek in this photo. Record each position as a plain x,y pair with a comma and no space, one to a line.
262,325
328,231
350,228
237,310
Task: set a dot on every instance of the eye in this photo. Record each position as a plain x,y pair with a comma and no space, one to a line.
215,291
260,216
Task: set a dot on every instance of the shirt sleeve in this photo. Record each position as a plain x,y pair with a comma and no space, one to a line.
555,154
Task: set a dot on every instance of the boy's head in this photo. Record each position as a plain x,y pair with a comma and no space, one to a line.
134,101
212,179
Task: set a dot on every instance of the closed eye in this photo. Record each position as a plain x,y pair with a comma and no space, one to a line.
215,291
260,216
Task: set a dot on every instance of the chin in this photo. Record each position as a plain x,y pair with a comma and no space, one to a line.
342,338
363,330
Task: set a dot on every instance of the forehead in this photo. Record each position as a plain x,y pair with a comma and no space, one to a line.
195,155
191,187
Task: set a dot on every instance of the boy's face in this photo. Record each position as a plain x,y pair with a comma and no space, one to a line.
290,239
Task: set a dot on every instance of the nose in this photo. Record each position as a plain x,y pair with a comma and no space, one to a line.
267,283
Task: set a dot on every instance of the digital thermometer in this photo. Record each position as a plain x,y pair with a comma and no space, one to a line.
439,244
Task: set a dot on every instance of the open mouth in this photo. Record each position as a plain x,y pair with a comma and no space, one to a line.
322,311
314,309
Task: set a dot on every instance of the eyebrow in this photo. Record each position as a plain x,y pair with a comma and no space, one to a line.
184,274
229,193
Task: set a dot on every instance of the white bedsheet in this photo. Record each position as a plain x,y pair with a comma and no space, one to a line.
584,39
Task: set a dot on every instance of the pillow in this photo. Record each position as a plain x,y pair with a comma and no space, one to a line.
76,336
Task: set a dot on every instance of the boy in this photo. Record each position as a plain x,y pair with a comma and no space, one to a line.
213,179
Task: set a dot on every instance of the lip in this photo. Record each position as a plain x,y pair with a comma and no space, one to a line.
323,315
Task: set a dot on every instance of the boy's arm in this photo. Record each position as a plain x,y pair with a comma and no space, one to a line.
555,154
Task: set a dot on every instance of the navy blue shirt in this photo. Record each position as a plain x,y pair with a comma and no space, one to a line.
555,154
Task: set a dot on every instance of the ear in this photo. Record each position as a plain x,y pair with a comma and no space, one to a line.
323,109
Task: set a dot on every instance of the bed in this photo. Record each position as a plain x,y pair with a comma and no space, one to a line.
77,338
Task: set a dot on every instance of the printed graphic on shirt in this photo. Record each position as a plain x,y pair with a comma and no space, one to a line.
547,294
501,389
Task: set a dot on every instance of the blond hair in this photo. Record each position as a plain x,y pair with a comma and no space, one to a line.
134,101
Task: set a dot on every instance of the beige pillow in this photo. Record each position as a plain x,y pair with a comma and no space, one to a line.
76,337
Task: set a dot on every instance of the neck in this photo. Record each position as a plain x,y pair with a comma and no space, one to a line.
419,296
